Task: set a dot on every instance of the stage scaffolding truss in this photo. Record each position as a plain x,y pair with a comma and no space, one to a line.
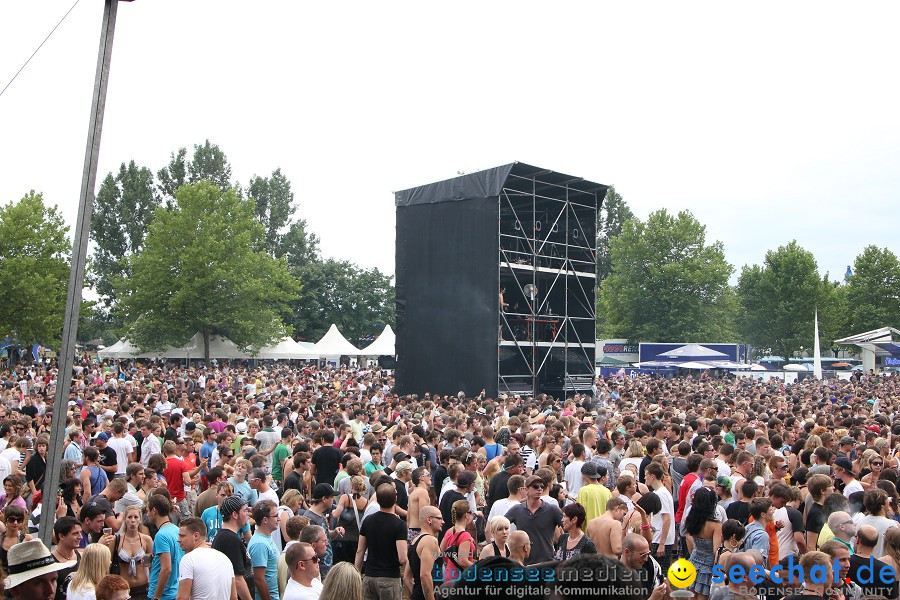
547,274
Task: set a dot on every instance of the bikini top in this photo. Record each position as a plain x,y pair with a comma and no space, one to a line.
131,560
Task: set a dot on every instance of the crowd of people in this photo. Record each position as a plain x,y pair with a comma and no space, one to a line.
281,482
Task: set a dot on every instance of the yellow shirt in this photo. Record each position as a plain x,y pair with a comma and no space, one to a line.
593,498
825,535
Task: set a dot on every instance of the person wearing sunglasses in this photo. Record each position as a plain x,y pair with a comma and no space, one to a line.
874,462
538,519
303,563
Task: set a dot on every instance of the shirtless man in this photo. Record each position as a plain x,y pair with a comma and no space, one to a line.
606,530
426,548
418,499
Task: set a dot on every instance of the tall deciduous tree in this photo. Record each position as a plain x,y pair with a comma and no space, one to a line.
274,201
873,291
34,270
207,163
199,271
359,301
668,284
611,218
779,300
123,211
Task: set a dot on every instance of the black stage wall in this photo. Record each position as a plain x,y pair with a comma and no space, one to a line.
447,296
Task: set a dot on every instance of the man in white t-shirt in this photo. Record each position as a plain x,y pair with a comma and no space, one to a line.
305,582
5,469
843,470
663,522
203,573
517,495
124,451
573,471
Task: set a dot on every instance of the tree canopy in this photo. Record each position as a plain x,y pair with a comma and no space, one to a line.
34,270
207,163
779,301
611,218
198,271
873,291
123,210
667,283
359,301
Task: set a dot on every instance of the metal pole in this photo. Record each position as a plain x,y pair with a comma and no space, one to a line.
76,276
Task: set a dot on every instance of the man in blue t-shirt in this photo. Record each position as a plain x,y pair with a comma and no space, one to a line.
209,446
263,553
167,552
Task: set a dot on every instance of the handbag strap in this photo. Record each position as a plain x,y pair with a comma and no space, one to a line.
355,511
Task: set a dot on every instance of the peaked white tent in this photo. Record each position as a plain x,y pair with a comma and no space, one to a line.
112,351
692,352
334,343
383,345
287,349
219,347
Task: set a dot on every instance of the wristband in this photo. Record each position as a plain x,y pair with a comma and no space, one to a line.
645,527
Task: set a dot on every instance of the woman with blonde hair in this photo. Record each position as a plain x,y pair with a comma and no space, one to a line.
634,454
94,566
133,551
812,442
343,582
458,547
349,511
499,527
872,462
290,502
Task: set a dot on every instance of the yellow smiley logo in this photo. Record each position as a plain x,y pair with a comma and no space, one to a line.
682,573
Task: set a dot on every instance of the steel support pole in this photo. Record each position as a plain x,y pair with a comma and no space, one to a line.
76,276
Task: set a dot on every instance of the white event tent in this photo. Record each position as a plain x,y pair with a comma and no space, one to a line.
287,349
219,347
334,343
383,345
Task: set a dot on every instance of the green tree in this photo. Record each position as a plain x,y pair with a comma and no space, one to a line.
208,163
274,202
873,291
668,284
611,218
298,246
123,210
199,271
779,301
34,270
359,301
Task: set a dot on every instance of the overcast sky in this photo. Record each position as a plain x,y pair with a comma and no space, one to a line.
769,122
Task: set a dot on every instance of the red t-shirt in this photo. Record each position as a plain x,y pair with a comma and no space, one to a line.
686,484
175,468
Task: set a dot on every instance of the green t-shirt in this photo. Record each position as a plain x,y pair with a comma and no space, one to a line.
372,467
280,453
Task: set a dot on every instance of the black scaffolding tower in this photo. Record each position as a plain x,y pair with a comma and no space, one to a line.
516,234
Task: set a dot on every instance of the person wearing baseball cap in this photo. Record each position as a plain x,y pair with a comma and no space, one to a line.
228,541
843,471
33,571
593,495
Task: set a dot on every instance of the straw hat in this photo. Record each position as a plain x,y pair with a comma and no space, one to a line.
31,559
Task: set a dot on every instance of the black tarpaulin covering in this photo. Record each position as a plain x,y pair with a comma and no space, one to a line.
447,297
490,182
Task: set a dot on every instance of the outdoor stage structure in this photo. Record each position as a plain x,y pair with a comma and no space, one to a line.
518,232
